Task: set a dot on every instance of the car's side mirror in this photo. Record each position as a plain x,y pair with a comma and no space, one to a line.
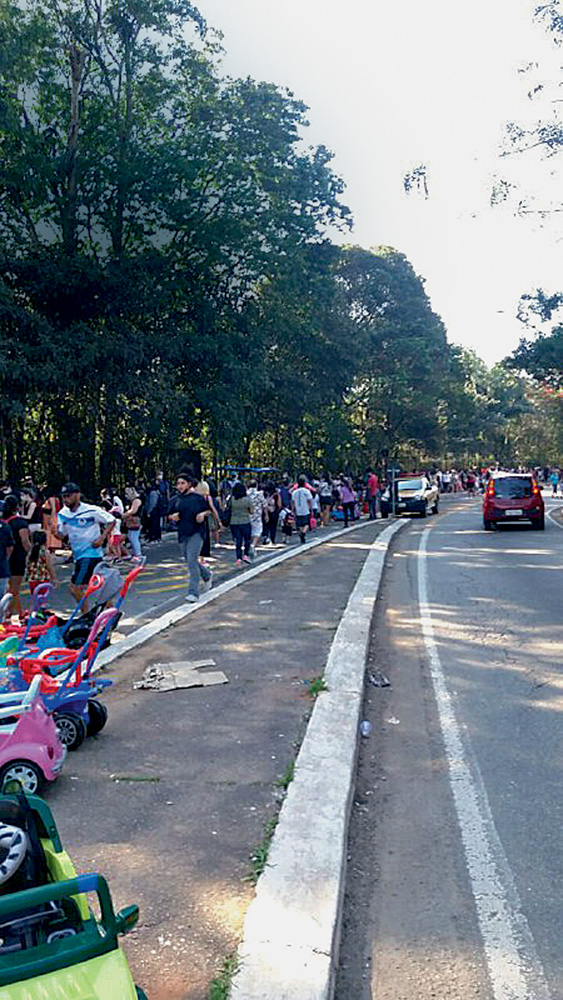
126,920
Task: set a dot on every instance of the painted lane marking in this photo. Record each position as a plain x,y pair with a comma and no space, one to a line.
514,967
551,512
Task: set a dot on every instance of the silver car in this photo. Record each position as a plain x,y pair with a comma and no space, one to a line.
415,495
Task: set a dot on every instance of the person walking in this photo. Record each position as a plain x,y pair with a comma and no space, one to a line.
131,521
554,480
241,512
347,499
373,493
272,511
189,510
154,511
87,528
211,524
30,507
39,565
50,509
19,528
325,498
6,549
302,506
257,500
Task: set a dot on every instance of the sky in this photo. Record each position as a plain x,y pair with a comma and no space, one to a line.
391,84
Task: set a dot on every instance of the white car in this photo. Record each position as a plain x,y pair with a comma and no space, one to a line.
415,495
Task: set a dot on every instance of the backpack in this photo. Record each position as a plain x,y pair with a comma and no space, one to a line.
226,514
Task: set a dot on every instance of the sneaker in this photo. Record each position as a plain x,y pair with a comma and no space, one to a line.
192,599
207,584
301,537
246,559
239,563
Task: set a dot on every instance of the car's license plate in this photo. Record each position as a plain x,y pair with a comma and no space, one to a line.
401,506
513,513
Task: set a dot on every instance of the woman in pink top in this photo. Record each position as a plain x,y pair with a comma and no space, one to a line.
347,499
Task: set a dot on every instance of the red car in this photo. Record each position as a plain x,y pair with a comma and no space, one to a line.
512,496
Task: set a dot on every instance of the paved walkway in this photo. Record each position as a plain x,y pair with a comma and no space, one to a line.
175,795
162,585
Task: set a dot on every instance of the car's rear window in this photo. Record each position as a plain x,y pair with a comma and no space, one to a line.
513,488
410,484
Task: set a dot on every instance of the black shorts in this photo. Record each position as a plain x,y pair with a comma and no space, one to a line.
303,520
84,570
326,502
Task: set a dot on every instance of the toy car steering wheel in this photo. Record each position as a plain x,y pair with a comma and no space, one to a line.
14,842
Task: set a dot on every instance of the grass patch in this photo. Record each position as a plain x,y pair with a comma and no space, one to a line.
287,778
315,686
259,856
221,985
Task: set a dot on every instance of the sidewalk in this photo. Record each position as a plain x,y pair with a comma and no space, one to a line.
163,583
175,795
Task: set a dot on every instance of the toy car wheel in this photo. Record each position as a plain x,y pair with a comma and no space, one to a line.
28,774
97,717
71,729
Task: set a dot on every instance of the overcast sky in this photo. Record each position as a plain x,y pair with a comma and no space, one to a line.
391,84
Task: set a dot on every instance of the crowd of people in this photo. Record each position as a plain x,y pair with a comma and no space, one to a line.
255,511
39,521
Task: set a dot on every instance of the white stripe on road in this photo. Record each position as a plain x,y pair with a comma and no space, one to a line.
514,968
550,514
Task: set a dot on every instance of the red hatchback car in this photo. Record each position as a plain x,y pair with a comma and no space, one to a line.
511,496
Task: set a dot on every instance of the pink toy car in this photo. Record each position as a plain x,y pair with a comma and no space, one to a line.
30,749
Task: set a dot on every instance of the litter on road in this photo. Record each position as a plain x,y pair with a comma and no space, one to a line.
185,674
378,679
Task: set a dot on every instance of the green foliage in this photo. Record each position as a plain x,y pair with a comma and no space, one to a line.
166,279
316,686
146,207
404,352
221,985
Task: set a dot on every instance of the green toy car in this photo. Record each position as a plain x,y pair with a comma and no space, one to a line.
58,931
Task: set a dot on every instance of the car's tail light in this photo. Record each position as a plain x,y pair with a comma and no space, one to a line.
536,490
491,489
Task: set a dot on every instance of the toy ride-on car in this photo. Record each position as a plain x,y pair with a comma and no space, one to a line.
69,695
58,931
30,748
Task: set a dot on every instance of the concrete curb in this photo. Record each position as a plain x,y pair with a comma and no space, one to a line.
146,632
292,927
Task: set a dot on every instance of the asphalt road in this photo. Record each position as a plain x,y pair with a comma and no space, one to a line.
454,877
175,795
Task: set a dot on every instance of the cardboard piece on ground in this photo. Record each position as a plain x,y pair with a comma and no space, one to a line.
185,674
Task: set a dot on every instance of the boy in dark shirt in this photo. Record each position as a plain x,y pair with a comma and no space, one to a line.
189,510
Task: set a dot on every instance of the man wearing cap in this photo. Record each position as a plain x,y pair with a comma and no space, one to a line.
87,527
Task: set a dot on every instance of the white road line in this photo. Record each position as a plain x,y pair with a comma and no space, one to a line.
514,967
551,517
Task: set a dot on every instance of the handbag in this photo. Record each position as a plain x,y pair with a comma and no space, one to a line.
226,514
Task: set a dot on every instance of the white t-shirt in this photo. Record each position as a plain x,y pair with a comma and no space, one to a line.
301,497
83,528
